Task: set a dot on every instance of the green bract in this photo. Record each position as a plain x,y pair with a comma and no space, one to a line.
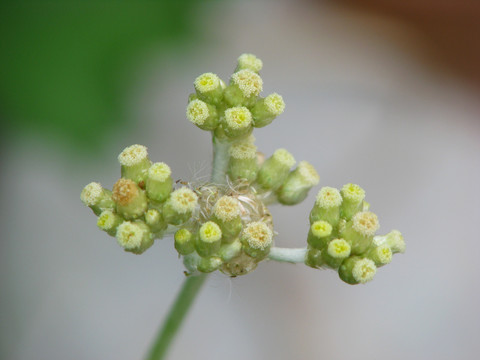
225,224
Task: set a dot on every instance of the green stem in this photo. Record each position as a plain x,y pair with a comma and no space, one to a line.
191,287
220,160
192,284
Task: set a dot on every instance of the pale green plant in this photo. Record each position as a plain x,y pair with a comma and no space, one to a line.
225,224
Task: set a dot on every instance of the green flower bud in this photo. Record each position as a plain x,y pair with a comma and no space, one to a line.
184,242
135,163
250,62
314,258
239,265
243,161
298,183
356,270
97,198
191,261
191,97
229,251
209,88
237,122
179,206
336,251
360,231
353,196
203,115
327,206
319,234
208,240
380,255
130,199
209,264
108,221
393,239
257,238
159,182
266,110
245,85
134,237
154,219
275,170
226,213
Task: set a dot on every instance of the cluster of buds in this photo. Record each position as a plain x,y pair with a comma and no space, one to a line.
342,235
225,224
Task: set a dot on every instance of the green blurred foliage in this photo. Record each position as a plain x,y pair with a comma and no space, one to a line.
64,65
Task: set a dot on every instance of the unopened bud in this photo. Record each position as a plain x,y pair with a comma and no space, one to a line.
135,163
298,183
209,264
393,239
275,169
245,85
209,88
360,231
108,221
97,198
327,206
266,110
243,161
226,213
353,196
356,270
249,61
209,239
184,242
159,182
179,206
319,234
238,121
336,251
134,237
203,115
257,239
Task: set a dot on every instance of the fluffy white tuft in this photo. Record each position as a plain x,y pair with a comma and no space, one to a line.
206,82
364,270
183,200
197,112
227,208
91,193
129,235
132,155
159,171
328,197
365,223
249,82
258,235
238,117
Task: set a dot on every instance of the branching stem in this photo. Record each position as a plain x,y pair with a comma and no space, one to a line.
193,283
288,255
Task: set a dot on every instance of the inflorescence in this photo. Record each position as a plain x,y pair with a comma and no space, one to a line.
225,224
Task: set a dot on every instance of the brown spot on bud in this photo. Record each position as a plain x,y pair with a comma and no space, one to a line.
124,191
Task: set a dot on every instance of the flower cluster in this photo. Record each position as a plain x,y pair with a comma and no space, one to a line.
225,224
342,235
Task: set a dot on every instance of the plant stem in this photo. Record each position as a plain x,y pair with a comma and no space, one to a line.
192,284
191,287
220,160
287,255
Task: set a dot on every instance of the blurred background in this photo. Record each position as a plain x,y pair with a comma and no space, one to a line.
383,94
